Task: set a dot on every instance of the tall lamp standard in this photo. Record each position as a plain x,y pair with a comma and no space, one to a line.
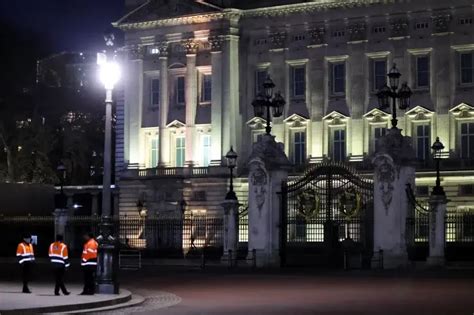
437,149
231,157
403,94
109,73
264,102
62,176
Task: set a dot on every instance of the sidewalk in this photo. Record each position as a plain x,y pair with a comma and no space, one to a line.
43,300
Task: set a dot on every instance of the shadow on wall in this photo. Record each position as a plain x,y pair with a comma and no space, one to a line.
24,199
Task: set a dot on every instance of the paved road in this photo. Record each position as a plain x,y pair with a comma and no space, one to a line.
336,293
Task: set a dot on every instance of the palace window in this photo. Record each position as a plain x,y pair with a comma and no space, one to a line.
260,76
154,151
206,88
299,147
423,144
338,78
467,140
298,81
180,151
155,92
378,132
379,73
206,149
422,71
339,145
180,90
466,67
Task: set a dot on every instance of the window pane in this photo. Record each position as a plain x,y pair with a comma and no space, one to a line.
467,140
423,142
380,76
423,72
154,152
155,92
339,78
206,93
206,150
299,81
299,148
180,148
260,76
180,90
339,145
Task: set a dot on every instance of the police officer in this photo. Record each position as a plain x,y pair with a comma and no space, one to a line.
58,255
89,263
26,256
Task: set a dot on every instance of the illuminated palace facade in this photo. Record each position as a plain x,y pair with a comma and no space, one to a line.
192,69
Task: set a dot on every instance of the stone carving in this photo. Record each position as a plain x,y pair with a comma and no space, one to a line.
317,35
386,173
163,48
399,27
136,52
278,39
259,180
441,23
190,46
357,31
216,42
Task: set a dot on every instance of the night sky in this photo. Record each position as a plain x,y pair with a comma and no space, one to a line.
68,25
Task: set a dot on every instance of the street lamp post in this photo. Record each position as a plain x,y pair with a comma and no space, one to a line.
264,102
403,94
437,149
109,73
62,176
231,157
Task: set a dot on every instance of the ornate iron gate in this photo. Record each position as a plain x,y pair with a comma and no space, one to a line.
327,218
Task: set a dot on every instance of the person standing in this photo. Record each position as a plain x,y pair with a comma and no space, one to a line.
26,256
58,255
89,263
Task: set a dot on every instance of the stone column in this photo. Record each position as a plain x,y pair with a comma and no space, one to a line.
191,99
268,167
231,228
164,102
394,169
216,108
60,221
437,230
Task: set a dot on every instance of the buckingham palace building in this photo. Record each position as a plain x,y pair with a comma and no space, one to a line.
193,68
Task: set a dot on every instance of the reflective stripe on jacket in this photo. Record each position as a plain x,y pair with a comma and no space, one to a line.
89,253
25,253
58,254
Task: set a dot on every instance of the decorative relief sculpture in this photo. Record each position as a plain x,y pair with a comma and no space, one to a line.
399,27
441,23
357,31
259,180
190,45
386,173
216,42
163,48
278,39
317,36
136,52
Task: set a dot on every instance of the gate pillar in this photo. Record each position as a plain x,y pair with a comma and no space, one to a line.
61,217
268,167
437,230
231,229
393,169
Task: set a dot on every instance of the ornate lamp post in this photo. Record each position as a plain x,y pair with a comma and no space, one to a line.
403,94
109,73
231,157
437,149
268,100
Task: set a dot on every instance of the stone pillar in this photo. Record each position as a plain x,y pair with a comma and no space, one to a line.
268,167
216,109
437,230
164,102
231,228
95,204
191,94
394,169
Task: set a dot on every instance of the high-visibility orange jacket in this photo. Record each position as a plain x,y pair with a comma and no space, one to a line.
89,253
58,254
25,253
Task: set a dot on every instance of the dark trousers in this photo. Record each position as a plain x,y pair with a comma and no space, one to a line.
89,279
59,279
25,275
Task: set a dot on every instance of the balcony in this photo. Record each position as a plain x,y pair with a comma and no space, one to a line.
136,172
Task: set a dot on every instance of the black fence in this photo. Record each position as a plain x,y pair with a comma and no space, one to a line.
459,232
155,237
